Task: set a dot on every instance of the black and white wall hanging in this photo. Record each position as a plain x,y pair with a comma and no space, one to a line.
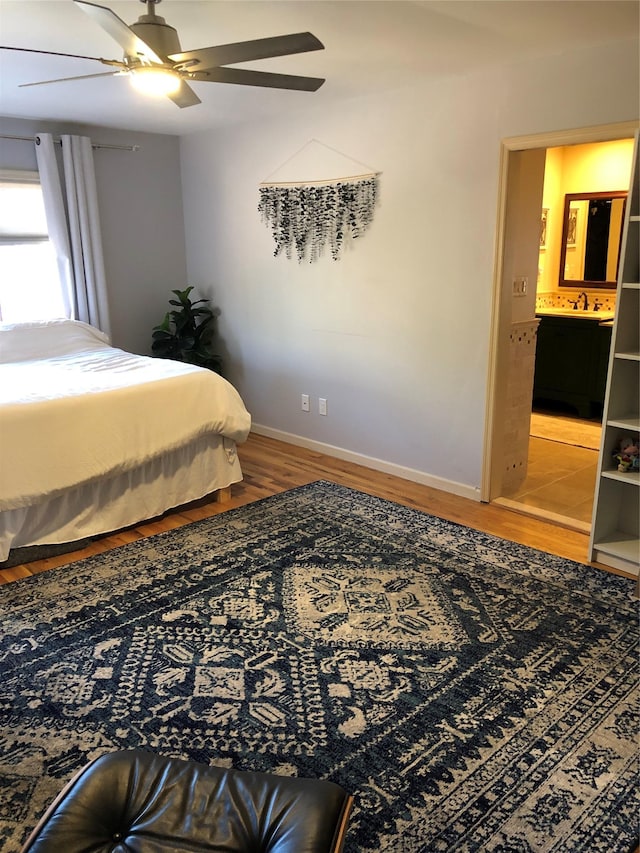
318,199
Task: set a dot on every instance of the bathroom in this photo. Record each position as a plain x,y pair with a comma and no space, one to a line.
573,343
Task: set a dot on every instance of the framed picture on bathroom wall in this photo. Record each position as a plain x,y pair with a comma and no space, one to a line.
544,225
572,226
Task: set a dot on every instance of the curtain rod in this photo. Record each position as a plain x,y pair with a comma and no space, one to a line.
94,145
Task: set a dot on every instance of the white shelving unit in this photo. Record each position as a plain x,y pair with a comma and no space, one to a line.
615,527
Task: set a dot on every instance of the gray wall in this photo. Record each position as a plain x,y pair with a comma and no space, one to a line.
396,335
140,201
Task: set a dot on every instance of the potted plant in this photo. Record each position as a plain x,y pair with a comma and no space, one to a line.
186,333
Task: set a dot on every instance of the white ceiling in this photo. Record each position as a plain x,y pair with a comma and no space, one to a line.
370,46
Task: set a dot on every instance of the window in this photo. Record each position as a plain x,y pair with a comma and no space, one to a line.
29,282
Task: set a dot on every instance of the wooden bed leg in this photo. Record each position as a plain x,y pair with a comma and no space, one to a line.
223,496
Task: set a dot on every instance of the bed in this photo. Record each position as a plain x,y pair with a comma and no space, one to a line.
94,439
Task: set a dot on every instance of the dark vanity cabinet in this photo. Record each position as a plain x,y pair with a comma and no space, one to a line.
571,364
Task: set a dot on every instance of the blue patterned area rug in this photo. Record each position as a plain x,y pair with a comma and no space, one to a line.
473,694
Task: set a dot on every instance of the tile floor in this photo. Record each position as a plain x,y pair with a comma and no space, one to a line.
560,483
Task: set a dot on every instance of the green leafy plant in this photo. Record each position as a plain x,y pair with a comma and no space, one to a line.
186,333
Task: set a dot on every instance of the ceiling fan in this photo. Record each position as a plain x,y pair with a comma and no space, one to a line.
156,64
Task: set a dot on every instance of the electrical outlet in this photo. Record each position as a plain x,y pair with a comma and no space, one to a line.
322,405
304,402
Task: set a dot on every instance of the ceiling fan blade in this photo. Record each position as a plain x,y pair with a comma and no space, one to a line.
72,55
65,79
132,44
244,77
185,96
247,51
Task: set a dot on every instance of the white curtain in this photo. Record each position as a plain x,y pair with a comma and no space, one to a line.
74,226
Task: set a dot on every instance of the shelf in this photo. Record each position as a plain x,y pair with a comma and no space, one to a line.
627,337
630,477
631,422
630,259
615,527
624,383
620,545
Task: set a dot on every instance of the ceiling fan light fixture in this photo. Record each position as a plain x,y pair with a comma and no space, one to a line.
157,66
155,81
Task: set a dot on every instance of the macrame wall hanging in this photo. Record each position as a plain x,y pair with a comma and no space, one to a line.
308,213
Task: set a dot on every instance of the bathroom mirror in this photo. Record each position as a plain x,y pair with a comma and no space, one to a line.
591,238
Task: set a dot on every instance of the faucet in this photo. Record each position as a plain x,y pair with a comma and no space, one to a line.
585,305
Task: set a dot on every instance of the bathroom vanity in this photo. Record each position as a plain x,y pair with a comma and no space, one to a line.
572,356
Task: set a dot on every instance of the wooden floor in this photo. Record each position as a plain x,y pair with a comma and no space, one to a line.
271,466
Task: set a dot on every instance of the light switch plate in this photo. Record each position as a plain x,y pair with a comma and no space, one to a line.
520,286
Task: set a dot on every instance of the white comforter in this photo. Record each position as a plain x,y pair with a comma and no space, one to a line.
73,409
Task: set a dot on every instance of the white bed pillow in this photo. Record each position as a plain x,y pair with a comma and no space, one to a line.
48,338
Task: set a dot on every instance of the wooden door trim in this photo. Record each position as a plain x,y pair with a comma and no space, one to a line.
552,139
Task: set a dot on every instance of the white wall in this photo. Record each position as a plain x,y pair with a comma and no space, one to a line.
396,334
140,203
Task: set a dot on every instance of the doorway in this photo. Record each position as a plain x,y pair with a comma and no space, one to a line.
562,465
554,454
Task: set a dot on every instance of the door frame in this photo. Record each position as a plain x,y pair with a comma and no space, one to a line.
496,404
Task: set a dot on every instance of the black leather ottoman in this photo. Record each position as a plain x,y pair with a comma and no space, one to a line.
138,801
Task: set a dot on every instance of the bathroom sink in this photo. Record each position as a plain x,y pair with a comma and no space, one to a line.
578,314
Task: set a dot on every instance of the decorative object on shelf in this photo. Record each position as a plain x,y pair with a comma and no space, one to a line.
307,215
186,334
627,454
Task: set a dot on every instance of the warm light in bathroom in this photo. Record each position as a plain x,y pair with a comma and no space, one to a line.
154,81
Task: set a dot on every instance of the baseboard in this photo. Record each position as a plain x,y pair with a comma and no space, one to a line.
450,486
